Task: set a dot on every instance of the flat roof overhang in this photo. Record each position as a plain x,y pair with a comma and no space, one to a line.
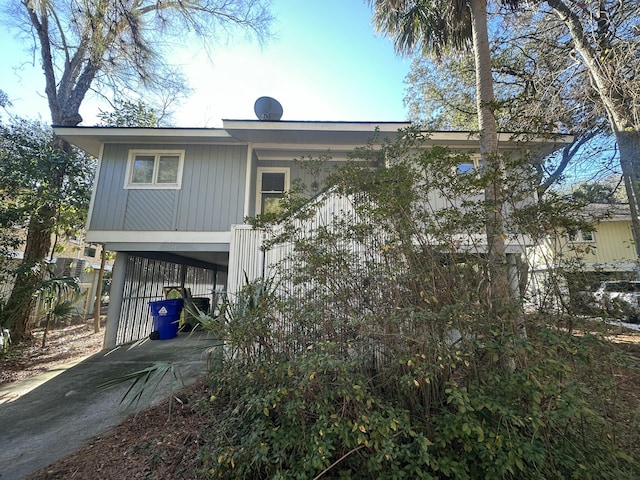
275,139
90,139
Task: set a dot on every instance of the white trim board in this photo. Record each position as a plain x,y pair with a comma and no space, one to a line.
146,237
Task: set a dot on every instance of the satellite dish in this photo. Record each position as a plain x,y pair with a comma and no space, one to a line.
267,108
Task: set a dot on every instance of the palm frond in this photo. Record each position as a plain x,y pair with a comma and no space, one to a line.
146,382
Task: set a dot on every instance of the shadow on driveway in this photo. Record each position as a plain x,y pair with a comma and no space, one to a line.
59,413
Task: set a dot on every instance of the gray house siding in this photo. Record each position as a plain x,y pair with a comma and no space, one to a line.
149,210
211,197
297,172
110,200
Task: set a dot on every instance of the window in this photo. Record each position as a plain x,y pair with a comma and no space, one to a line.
466,167
272,183
90,251
577,236
154,169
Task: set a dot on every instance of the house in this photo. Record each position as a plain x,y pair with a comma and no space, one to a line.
169,200
586,258
73,257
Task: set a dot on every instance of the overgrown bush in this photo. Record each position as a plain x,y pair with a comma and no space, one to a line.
378,349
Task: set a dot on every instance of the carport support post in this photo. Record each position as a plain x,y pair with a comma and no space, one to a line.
115,300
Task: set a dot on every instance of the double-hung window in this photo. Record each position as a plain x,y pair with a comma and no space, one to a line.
581,236
154,169
271,185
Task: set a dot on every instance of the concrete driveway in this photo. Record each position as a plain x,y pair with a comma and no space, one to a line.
51,416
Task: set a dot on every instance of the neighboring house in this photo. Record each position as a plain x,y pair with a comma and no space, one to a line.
73,257
172,201
584,259
78,258
610,248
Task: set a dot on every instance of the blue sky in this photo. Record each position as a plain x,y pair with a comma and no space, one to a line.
324,63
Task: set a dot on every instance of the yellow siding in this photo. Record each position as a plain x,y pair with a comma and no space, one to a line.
613,243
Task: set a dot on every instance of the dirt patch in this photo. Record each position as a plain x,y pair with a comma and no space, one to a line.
64,344
155,444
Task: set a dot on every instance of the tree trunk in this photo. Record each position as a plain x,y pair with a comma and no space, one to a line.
30,273
96,306
629,151
501,294
33,267
621,111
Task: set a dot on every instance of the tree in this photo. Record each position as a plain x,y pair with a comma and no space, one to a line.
571,66
438,25
371,352
539,91
129,114
121,44
45,190
106,45
605,37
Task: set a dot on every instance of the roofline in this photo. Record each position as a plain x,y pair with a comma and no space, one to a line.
90,139
150,131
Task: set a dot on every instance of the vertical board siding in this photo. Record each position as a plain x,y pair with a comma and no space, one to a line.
248,261
245,257
614,242
212,194
110,197
211,197
145,282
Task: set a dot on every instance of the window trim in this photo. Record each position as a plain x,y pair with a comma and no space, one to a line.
128,184
259,192
474,161
578,237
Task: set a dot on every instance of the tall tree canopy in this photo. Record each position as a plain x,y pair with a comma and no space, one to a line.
435,26
540,89
129,114
84,43
36,180
558,65
605,37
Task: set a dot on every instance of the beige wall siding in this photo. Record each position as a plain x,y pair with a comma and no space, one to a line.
613,243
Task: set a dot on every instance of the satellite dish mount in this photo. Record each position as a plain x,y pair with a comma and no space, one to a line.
268,109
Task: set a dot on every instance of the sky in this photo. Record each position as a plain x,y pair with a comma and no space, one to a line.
325,62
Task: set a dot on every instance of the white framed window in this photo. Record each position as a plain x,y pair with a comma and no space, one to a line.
466,167
90,250
580,236
272,182
154,169
469,165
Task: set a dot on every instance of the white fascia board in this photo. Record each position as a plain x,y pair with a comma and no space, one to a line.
310,126
147,237
90,139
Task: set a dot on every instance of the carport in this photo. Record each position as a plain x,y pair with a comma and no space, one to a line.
142,277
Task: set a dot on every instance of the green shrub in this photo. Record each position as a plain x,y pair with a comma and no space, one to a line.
383,351
321,415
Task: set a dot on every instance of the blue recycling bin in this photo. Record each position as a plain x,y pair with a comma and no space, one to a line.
166,318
